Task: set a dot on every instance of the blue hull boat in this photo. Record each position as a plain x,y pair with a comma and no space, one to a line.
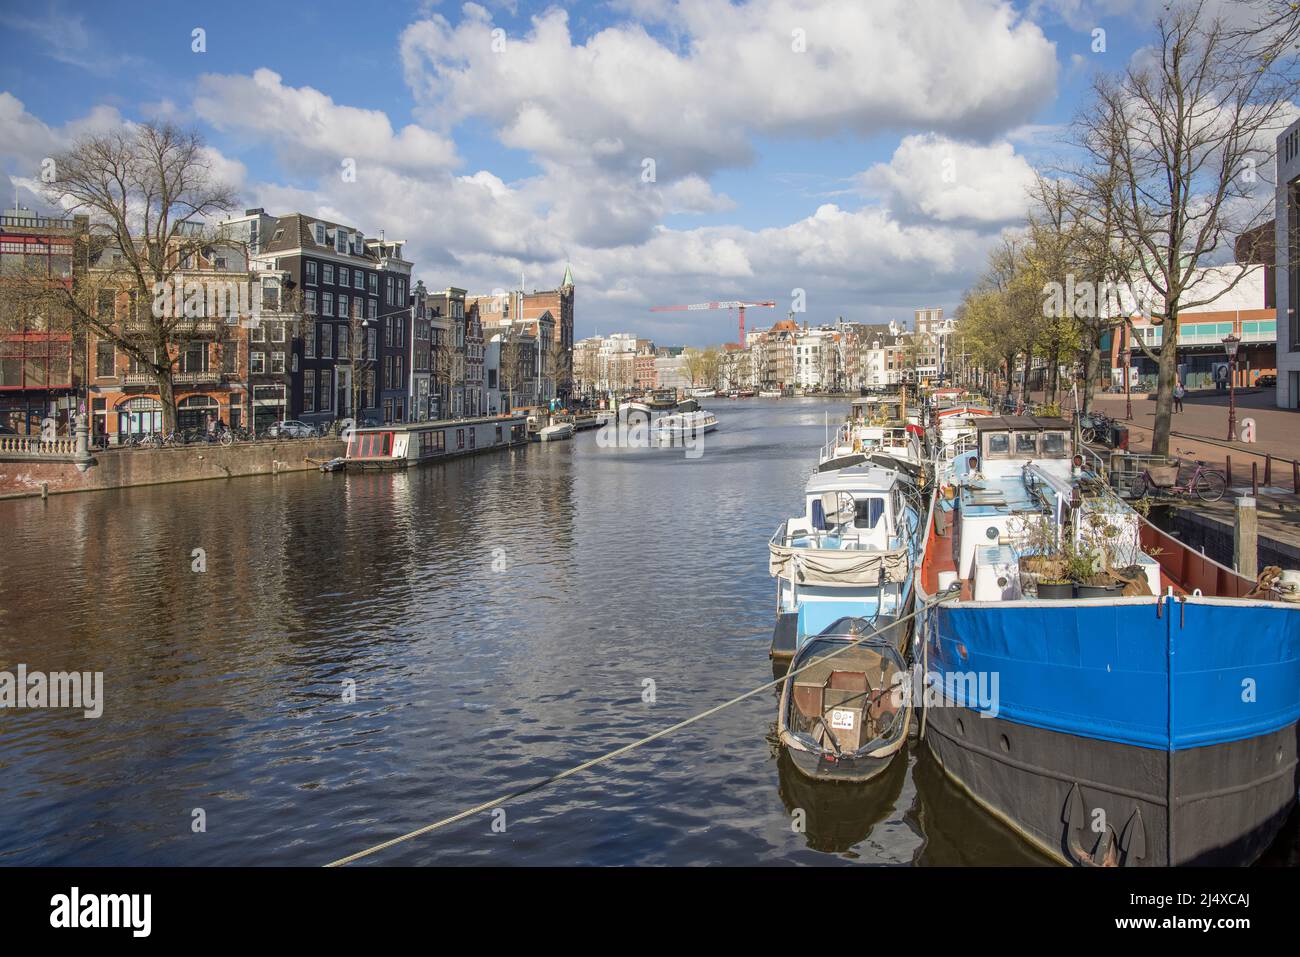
1154,725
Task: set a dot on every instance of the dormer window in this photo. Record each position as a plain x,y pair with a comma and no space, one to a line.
340,241
320,234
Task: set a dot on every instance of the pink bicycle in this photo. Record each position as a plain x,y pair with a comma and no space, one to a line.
1205,483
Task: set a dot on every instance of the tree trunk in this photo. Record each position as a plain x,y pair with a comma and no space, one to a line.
167,396
1168,370
1024,384
1091,366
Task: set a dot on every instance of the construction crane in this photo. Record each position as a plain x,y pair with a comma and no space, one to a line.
739,304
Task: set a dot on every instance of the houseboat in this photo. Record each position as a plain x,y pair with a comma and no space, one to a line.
1113,696
878,423
851,553
401,445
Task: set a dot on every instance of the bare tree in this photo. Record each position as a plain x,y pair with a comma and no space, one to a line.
148,189
1179,136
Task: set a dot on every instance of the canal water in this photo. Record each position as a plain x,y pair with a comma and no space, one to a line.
499,619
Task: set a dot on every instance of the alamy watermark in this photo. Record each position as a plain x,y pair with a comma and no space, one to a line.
83,690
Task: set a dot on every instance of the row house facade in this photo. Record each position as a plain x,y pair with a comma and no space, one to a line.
228,335
349,355
559,302
40,362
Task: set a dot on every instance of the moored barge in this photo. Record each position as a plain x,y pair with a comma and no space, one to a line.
1136,704
402,445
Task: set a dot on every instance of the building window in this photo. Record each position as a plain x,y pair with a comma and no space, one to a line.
311,273
390,289
195,358
326,390
309,391
311,302
372,309
327,304
277,332
277,363
257,362
105,359
340,241
329,274
358,279
460,438
320,234
345,340
343,306
257,334
344,278
372,337
327,341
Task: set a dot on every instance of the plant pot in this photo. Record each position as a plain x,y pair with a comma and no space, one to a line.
1098,591
1055,590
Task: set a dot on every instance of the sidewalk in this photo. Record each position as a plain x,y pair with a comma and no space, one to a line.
1205,416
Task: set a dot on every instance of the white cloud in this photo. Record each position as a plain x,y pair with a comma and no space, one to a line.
311,130
968,67
934,178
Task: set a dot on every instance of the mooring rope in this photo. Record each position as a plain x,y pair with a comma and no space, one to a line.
618,752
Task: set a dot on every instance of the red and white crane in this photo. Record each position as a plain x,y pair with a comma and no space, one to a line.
739,304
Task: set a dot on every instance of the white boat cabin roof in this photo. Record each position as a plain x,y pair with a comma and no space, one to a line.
855,478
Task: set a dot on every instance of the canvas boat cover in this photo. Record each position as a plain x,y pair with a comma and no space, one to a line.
833,566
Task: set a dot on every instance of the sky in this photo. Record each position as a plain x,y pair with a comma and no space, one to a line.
855,157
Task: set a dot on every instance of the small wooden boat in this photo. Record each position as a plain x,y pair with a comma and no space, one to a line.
846,703
769,394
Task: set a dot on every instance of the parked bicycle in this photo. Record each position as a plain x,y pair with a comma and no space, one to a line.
1207,484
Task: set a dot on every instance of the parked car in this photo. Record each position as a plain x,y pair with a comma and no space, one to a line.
1267,381
290,429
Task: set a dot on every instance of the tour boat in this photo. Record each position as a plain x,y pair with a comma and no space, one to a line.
846,701
769,394
401,445
661,399
1113,696
703,393
679,425
851,553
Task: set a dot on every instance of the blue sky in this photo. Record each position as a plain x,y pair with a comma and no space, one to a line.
773,172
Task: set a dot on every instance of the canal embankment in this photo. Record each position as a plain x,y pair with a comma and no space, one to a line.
125,468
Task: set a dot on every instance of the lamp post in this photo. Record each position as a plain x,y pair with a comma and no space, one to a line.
1230,343
1127,358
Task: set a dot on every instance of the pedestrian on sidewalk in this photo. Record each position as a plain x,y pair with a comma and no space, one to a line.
1179,392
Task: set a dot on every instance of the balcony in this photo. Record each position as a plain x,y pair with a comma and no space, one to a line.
196,378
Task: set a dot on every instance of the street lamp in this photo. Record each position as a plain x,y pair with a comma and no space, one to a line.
1230,343
1127,359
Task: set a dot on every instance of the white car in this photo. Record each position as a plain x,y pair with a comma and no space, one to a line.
291,429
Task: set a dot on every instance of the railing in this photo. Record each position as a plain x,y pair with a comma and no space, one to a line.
196,378
36,222
34,446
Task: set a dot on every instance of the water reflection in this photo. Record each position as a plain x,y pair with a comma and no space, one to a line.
499,616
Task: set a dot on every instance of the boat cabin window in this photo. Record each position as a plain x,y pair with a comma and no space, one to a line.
997,443
867,512
1026,443
1054,444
